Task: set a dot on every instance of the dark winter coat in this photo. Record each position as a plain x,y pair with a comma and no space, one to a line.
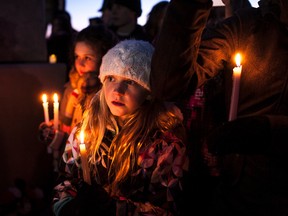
253,148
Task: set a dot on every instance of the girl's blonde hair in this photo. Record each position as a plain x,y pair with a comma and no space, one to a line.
135,134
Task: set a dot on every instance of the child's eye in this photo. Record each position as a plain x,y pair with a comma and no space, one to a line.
130,82
110,78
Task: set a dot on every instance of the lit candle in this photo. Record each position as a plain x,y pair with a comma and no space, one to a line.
56,111
45,107
235,89
52,59
84,159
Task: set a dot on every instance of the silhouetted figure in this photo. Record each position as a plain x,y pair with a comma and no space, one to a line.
124,19
61,39
106,14
154,20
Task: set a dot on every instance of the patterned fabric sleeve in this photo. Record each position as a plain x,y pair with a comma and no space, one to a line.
71,154
164,162
66,191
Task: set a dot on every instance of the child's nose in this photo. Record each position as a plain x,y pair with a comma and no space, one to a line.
81,61
120,87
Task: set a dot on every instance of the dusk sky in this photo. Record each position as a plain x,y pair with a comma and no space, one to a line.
82,10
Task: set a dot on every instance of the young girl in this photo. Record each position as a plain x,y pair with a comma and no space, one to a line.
135,144
90,45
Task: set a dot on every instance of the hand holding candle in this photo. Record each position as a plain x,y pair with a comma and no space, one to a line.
56,111
45,107
235,89
84,159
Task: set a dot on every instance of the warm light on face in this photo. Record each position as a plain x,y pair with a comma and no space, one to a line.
238,59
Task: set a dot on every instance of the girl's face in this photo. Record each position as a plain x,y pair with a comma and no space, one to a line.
123,96
85,58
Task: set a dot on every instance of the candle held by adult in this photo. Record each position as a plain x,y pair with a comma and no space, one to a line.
45,108
84,159
235,88
56,111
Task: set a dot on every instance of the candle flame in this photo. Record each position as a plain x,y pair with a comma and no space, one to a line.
55,97
82,137
52,58
238,59
44,98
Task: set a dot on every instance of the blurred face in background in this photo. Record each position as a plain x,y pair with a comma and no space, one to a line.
86,59
107,17
122,15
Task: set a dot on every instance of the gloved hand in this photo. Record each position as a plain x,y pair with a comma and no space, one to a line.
249,135
65,193
51,137
46,132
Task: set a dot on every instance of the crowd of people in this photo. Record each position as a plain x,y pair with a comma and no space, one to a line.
151,106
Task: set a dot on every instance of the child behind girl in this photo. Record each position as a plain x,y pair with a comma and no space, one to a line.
136,146
89,47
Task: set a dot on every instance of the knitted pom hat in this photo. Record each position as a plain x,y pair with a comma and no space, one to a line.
129,59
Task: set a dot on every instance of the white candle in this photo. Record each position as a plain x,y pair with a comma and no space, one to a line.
52,59
235,89
56,111
84,159
45,107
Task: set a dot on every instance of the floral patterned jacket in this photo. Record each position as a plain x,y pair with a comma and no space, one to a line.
154,188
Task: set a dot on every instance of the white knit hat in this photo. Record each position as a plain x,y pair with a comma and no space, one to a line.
129,59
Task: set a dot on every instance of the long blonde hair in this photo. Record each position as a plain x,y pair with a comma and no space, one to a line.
135,134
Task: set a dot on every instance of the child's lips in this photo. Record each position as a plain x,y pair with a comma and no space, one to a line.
117,103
